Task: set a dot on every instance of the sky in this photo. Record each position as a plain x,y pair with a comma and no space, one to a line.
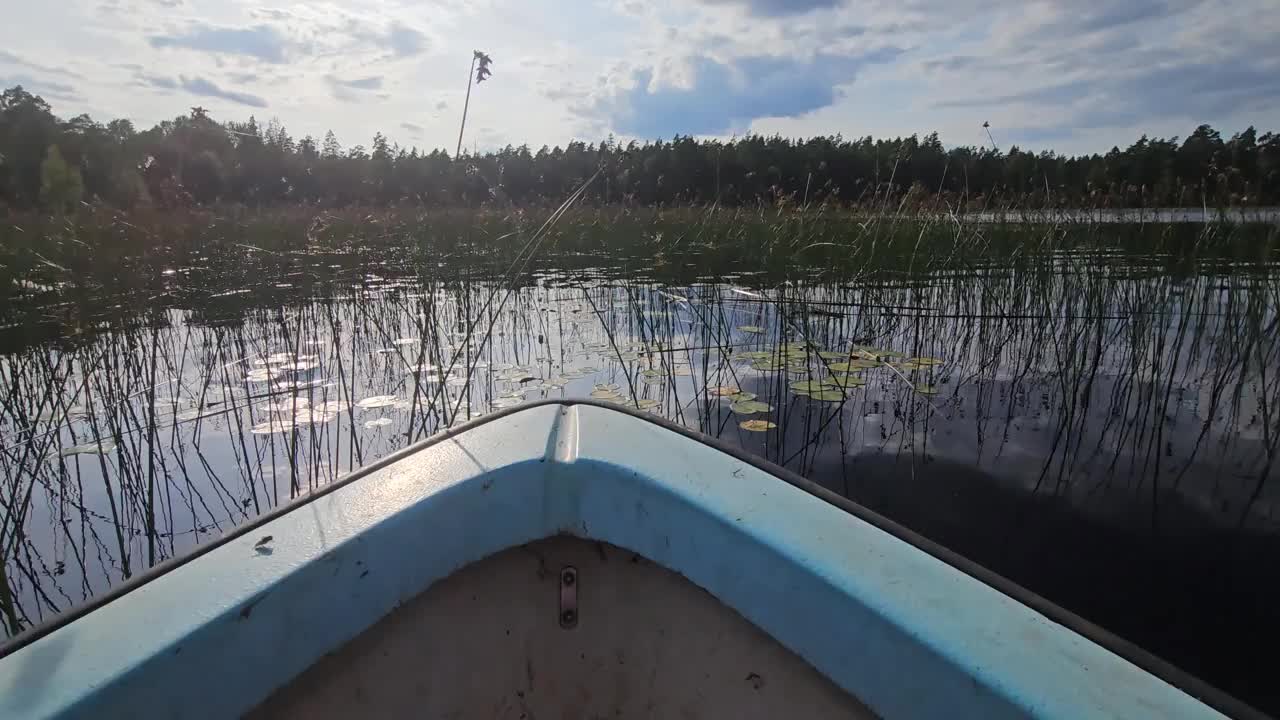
1075,76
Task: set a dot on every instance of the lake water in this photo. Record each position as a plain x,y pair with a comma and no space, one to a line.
1100,427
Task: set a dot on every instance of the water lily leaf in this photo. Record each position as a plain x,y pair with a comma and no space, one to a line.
380,422
750,407
377,401
753,329
724,391
806,386
828,396
89,448
757,425
926,389
927,361
646,403
741,397
846,380
604,394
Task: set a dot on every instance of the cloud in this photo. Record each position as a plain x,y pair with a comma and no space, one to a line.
405,41
1055,94
717,97
1090,65
354,90
442,106
778,8
201,86
263,42
157,81
42,87
415,129
373,82
8,58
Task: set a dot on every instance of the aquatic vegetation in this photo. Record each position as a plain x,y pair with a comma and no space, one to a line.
1082,365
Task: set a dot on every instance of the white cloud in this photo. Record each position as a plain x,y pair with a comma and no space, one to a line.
1071,74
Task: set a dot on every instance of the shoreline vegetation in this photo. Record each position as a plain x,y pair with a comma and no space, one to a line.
56,269
53,165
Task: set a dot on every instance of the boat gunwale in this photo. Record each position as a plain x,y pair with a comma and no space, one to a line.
1164,670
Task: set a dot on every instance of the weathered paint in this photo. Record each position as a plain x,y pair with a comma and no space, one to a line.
908,634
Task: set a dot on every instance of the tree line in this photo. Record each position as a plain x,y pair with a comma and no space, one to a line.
48,163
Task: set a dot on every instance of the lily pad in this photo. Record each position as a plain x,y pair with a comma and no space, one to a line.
833,396
724,391
807,386
646,403
926,389
741,397
89,448
377,401
753,329
750,407
757,425
846,380
927,361
605,394
380,422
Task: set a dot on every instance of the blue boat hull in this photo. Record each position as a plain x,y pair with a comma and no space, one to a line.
908,630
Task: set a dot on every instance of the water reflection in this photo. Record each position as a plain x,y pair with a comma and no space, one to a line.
1097,428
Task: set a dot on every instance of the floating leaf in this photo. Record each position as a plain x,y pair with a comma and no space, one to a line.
827,396
806,386
741,397
405,341
725,391
753,329
768,365
89,448
504,402
646,403
757,425
754,355
605,394
313,416
380,422
334,406
926,389
750,407
853,365
846,380
261,375
377,401
927,361
652,373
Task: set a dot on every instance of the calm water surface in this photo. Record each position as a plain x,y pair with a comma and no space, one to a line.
1098,427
